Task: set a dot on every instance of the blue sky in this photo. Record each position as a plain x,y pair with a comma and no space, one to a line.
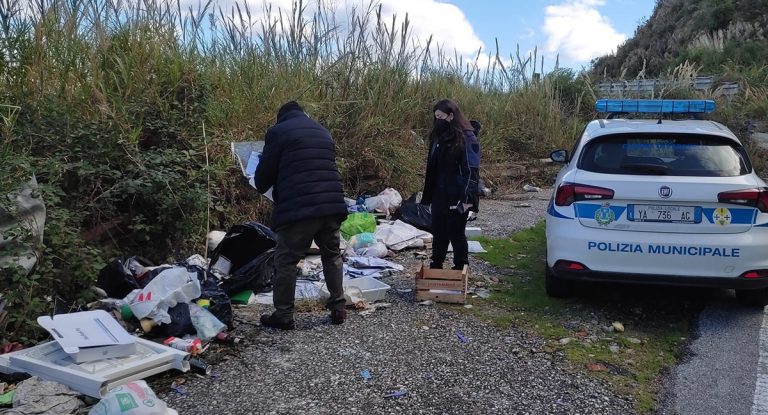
576,30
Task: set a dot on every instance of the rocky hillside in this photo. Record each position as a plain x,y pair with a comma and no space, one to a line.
709,33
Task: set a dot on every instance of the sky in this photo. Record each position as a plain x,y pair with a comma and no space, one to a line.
576,31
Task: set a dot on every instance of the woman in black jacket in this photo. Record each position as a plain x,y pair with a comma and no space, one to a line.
451,182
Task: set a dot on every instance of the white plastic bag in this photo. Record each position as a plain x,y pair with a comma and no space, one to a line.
206,324
133,398
385,202
171,286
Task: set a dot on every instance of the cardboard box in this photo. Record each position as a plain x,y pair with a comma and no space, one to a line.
442,285
89,335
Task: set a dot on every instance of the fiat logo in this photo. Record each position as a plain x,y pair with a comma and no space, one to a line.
665,192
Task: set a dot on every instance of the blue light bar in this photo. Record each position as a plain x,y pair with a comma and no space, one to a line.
666,106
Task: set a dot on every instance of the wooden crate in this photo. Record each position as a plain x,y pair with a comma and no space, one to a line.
442,285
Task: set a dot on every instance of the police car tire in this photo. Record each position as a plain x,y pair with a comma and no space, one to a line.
754,298
556,287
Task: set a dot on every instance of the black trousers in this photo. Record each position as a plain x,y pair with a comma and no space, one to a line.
293,242
448,226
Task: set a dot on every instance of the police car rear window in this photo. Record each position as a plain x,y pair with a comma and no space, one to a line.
665,155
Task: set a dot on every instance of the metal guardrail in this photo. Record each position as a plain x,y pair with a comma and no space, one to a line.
648,86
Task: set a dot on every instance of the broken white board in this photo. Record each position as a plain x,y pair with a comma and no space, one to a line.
49,361
89,335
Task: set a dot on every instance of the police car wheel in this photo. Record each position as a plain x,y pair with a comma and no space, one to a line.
753,298
556,287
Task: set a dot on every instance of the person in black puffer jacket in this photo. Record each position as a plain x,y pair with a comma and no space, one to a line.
299,164
451,182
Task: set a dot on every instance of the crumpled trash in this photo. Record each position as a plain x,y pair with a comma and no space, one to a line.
133,398
531,188
38,396
171,286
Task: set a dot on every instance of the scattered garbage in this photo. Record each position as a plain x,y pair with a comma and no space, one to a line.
396,394
531,188
39,396
49,361
461,337
357,223
89,335
371,308
385,202
199,365
426,302
191,346
133,398
365,374
412,212
483,293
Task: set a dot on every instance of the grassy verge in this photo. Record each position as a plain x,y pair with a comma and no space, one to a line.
655,320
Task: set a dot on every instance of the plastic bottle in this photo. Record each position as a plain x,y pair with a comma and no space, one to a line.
227,338
191,346
206,324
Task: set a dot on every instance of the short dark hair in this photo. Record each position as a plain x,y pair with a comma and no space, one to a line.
287,107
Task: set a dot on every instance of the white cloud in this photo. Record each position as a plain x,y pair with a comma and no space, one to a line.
577,31
447,24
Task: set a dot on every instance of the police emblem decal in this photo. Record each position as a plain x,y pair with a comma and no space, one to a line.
722,216
604,215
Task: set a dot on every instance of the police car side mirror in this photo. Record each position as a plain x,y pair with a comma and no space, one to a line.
559,156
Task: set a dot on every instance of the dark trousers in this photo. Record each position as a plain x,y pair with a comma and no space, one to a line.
293,242
448,227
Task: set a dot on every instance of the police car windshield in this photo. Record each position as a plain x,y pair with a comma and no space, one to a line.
665,154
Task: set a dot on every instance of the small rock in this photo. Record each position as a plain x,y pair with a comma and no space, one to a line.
634,340
425,327
480,284
495,280
617,326
566,340
614,348
468,306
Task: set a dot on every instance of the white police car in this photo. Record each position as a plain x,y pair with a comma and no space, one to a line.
658,201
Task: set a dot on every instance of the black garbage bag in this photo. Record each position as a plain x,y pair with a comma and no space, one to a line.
124,275
220,304
255,276
241,245
414,213
180,325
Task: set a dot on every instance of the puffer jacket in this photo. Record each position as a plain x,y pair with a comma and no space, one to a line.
452,178
299,163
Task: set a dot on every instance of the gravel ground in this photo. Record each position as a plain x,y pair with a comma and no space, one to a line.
444,359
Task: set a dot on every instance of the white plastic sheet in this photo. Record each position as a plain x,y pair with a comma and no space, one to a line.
400,235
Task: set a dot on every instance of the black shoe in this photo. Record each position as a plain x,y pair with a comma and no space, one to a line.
435,266
458,267
338,316
269,320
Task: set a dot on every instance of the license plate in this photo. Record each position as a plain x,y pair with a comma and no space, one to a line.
664,213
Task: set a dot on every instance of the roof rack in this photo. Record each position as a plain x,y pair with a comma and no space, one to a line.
654,106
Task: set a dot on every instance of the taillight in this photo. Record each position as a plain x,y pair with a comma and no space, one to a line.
760,273
566,265
568,193
747,197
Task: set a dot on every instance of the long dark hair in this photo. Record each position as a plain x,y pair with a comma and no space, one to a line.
459,124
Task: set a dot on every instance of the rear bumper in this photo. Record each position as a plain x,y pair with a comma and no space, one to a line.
653,279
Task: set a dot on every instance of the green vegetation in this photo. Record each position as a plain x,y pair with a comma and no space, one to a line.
656,323
124,112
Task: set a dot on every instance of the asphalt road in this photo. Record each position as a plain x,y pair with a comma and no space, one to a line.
719,373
